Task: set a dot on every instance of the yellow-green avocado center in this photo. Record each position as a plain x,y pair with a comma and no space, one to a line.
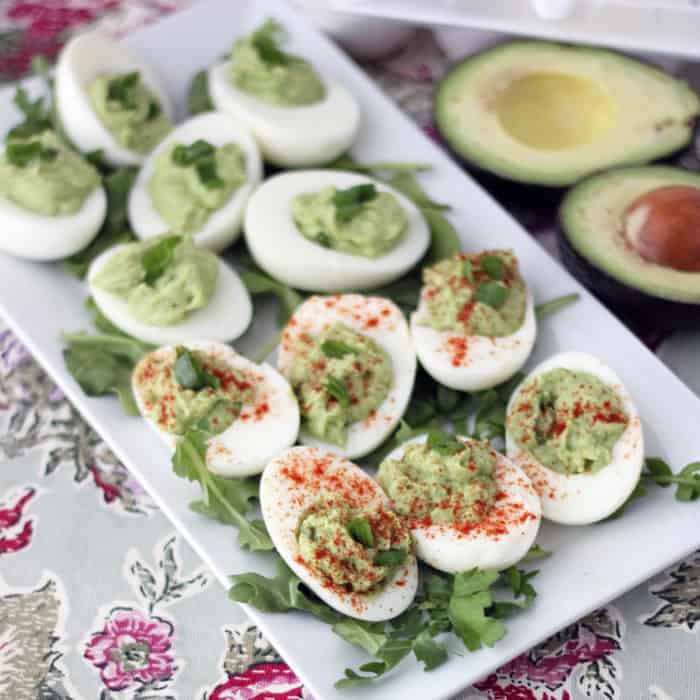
356,549
260,68
340,377
42,175
480,294
568,420
437,485
367,226
162,279
176,409
187,190
129,111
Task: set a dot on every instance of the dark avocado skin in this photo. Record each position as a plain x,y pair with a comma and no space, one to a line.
643,310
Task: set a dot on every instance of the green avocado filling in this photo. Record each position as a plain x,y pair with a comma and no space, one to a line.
340,377
262,69
359,220
190,182
569,421
442,480
191,389
357,549
481,294
162,279
40,174
129,111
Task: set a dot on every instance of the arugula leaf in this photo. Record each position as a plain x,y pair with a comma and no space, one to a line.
190,374
336,348
430,652
115,229
390,557
536,552
198,99
361,531
391,653
405,293
550,307
259,283
369,636
279,594
444,240
378,168
102,364
226,500
103,324
444,443
156,259
419,412
494,294
446,399
688,481
337,390
406,183
490,419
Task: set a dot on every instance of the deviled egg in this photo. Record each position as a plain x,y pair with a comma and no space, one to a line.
574,429
465,503
298,116
167,290
249,408
351,365
52,202
329,231
475,323
108,100
197,181
334,527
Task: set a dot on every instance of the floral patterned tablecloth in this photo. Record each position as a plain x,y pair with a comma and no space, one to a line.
101,600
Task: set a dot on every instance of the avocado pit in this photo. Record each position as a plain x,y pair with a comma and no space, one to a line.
663,226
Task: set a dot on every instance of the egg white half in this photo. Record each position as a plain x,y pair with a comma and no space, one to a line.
261,431
27,234
284,252
223,226
225,317
472,362
291,137
378,319
84,58
500,540
581,499
290,485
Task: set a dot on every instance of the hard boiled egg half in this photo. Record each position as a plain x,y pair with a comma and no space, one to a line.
330,336
223,225
589,495
266,422
280,248
462,359
502,536
83,59
224,318
308,493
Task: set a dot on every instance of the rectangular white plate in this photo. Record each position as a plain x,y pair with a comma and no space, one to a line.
590,566
671,28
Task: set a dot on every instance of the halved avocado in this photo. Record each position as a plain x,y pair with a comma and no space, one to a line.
550,114
596,249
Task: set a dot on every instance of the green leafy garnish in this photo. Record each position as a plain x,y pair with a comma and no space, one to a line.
198,99
406,183
102,364
279,594
115,229
324,239
444,443
36,113
122,89
259,283
337,390
369,636
348,202
536,552
22,154
267,40
185,156
468,271
492,293
225,500
378,168
390,557
444,240
493,266
191,374
157,258
361,531
336,348
550,307
154,110
208,174
523,591
431,653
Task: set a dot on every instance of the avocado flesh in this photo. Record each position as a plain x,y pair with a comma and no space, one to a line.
550,114
592,220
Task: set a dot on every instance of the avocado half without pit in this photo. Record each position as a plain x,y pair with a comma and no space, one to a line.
632,235
550,114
